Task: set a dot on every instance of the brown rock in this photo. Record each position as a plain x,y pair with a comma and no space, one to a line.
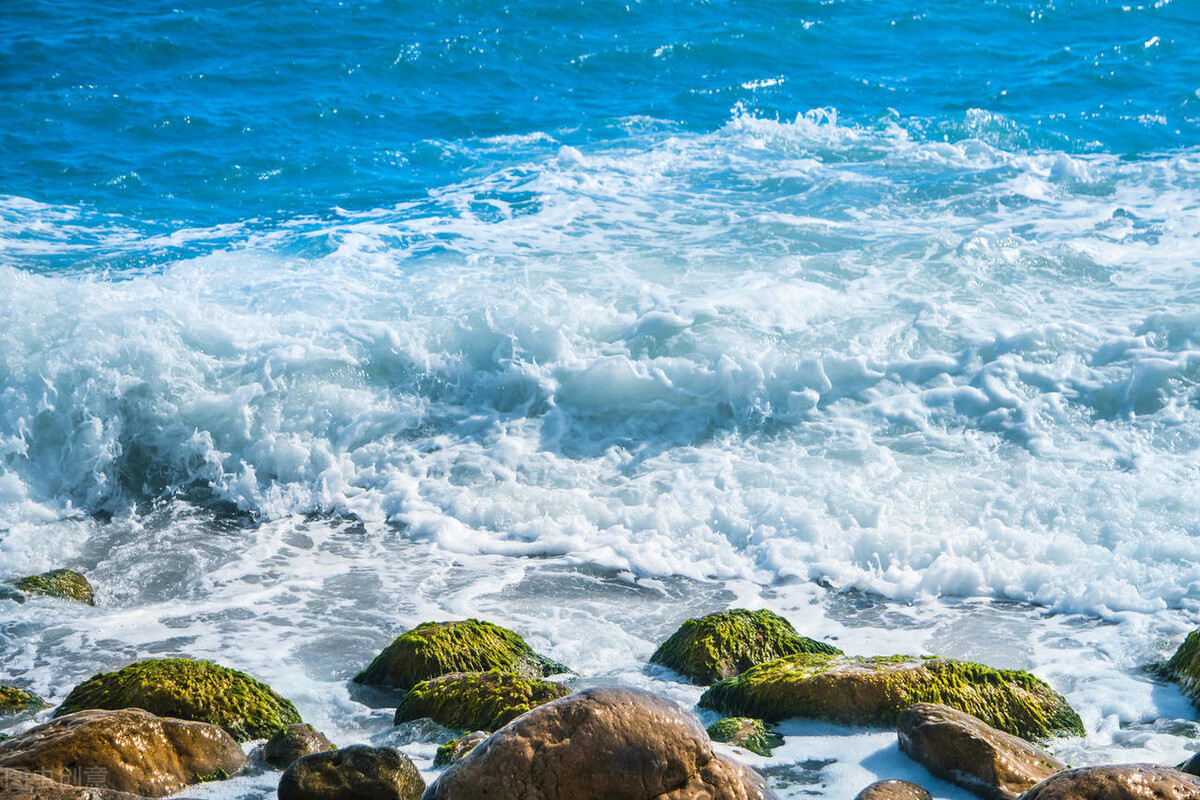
967,751
357,772
1117,782
294,742
601,744
893,789
129,750
17,785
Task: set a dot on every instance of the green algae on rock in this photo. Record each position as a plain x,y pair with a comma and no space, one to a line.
192,690
455,749
872,691
1184,667
62,583
476,700
15,701
439,648
721,645
752,734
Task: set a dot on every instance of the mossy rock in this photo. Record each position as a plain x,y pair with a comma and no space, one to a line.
1184,667
476,700
455,749
439,648
63,583
15,701
721,645
185,689
294,742
752,734
872,691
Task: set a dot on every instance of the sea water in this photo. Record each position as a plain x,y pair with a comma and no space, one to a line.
322,319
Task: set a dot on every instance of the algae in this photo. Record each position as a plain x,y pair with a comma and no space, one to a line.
1184,667
62,583
18,701
455,749
752,734
476,700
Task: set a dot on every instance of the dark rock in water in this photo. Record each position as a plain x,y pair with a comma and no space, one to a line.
1191,766
195,690
599,744
455,749
294,742
63,583
722,645
872,691
893,789
433,649
129,750
1117,782
476,700
17,785
357,772
964,750
1184,667
752,734
14,701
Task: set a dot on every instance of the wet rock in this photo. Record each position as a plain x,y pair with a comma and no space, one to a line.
872,691
357,772
130,751
599,744
457,748
14,701
1184,667
1117,782
17,785
893,789
294,742
433,649
1191,766
62,583
964,750
721,645
752,734
476,700
194,690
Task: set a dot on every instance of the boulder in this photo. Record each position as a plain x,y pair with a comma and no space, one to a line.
17,785
752,734
599,744
1191,766
62,583
357,772
476,700
195,690
872,691
455,749
129,751
294,742
893,789
14,701
721,645
433,649
1184,667
964,750
1117,782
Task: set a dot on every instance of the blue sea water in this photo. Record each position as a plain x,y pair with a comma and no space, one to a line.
320,319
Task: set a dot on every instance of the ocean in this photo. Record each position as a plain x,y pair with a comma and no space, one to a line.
322,319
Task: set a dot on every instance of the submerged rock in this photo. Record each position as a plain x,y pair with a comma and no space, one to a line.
752,734
721,645
457,748
964,750
62,583
893,789
17,785
1191,766
1184,667
129,750
357,772
194,690
15,701
1117,782
599,744
476,700
872,691
438,648
294,742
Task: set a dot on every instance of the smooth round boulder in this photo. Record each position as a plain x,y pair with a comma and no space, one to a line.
357,772
129,750
599,744
17,785
294,742
1117,782
65,584
893,789
476,700
967,751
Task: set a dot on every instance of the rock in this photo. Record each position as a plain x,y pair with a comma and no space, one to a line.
357,772
1117,782
893,789
476,700
433,649
722,645
194,690
1191,766
17,785
14,701
457,748
752,734
964,750
294,742
872,691
1184,667
130,751
62,583
599,744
